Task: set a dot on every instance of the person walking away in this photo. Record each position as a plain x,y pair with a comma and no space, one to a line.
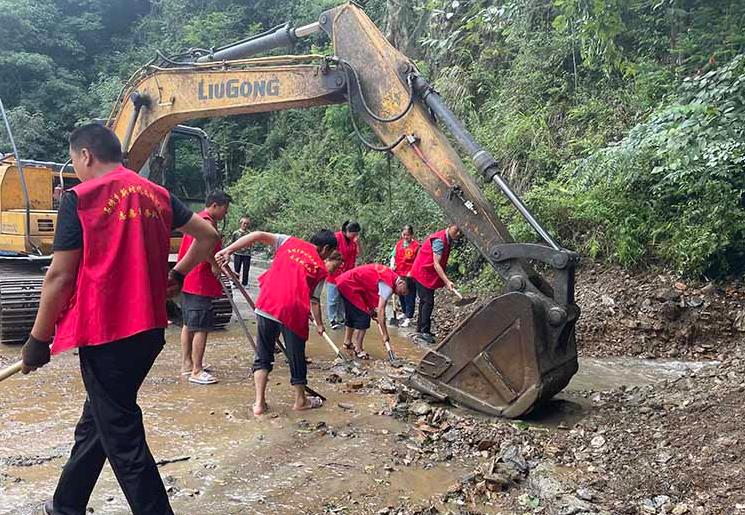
242,257
105,292
365,291
201,285
402,258
428,270
348,245
289,291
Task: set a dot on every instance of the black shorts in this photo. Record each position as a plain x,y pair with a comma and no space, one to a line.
197,312
355,317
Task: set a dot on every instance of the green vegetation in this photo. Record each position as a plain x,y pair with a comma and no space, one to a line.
620,121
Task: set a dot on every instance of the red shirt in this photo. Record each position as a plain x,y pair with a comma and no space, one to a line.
121,281
404,257
201,280
423,269
348,250
360,285
285,288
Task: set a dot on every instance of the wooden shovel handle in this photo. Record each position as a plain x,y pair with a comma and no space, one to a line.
11,370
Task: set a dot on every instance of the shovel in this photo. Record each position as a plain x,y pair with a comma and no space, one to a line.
229,273
462,301
392,359
11,370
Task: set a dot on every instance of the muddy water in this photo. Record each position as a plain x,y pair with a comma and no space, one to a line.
220,459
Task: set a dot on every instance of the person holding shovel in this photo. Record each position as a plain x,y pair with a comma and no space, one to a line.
428,270
106,293
402,259
289,291
365,291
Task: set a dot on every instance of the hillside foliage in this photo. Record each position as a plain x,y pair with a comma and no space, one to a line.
620,121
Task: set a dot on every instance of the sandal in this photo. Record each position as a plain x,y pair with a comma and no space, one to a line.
203,378
362,355
312,403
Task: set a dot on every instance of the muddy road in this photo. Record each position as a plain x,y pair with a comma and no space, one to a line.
376,447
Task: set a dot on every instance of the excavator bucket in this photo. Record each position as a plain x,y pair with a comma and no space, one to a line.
498,360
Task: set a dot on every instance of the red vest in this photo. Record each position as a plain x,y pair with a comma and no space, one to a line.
423,269
348,250
121,281
201,280
405,256
285,288
360,285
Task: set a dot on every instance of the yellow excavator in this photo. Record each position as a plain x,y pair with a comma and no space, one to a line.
515,350
29,198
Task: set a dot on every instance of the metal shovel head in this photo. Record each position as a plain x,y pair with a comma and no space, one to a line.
465,301
503,359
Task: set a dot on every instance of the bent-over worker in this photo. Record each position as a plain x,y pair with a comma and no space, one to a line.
428,270
289,291
106,291
365,290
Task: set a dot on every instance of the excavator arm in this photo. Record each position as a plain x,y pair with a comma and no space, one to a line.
515,350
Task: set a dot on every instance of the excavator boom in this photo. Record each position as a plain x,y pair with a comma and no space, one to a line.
515,350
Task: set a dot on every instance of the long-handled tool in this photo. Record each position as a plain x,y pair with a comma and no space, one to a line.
331,343
11,370
229,273
462,301
394,319
392,359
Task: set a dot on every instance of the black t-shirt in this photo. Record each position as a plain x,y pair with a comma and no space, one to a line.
69,233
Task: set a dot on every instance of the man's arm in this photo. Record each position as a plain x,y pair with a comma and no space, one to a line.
248,240
441,272
381,319
205,237
315,309
56,291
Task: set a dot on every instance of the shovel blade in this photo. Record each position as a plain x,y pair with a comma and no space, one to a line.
504,359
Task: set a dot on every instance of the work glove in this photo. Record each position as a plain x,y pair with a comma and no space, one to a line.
35,353
175,282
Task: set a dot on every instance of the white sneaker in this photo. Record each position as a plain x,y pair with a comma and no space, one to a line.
203,378
406,322
401,316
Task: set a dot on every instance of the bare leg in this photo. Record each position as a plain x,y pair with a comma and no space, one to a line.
359,337
199,345
300,400
348,334
260,380
186,341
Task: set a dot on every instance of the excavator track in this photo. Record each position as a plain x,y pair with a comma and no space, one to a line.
20,292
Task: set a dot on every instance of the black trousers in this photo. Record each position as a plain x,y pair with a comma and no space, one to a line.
268,331
426,305
111,428
244,263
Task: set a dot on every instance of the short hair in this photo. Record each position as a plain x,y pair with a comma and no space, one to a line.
99,140
218,197
324,238
409,228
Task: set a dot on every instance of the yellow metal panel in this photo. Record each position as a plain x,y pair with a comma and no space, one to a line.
38,182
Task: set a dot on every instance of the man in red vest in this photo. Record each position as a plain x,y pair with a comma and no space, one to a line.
402,259
348,245
106,291
200,286
365,291
289,291
428,271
